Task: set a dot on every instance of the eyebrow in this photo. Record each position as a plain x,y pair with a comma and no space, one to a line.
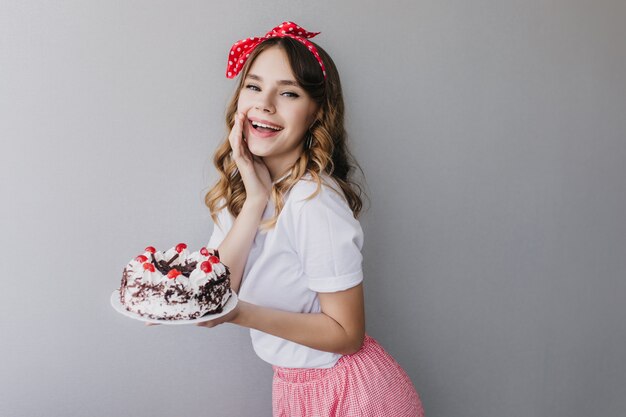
279,82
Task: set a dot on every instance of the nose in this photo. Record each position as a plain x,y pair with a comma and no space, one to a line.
264,103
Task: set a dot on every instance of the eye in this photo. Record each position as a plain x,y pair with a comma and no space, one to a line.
290,94
253,87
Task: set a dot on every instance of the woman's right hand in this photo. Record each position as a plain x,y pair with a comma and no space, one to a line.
254,173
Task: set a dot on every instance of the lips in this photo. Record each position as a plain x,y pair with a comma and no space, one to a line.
254,122
262,132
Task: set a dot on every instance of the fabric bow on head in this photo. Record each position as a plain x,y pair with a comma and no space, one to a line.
242,49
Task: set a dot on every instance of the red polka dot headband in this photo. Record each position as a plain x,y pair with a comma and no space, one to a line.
242,49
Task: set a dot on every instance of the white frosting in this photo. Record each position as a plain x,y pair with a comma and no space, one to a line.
179,259
219,269
149,277
158,256
197,257
135,269
179,280
198,278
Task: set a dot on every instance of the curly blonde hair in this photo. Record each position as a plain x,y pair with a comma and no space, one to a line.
328,152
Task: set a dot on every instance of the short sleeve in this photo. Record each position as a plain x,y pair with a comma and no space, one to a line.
221,228
328,242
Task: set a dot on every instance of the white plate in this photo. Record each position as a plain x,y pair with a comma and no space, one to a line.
228,307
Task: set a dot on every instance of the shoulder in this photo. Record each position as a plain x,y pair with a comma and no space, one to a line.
307,191
312,203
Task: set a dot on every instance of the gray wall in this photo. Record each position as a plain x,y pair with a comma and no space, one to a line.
492,135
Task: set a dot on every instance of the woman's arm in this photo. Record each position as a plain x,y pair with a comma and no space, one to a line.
235,247
339,328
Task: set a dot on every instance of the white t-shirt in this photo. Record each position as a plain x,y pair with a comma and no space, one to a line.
314,247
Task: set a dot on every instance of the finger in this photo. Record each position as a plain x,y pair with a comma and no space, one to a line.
236,133
241,153
243,145
238,127
240,122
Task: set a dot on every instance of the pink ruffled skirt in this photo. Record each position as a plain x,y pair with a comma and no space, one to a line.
367,383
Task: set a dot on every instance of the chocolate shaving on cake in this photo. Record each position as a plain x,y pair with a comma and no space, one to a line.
123,285
172,259
162,266
188,268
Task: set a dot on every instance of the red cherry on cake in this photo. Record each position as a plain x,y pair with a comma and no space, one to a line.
206,266
141,258
204,252
148,266
180,247
214,259
173,273
150,249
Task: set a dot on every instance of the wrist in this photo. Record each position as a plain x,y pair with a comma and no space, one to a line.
242,311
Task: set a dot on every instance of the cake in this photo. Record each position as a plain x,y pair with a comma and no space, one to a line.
175,284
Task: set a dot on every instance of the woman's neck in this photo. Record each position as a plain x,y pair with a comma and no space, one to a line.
279,169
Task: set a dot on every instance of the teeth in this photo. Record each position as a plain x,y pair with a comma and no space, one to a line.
267,126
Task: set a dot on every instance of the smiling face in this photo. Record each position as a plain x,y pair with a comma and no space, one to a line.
278,111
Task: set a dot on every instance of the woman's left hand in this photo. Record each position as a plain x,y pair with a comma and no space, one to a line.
232,315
